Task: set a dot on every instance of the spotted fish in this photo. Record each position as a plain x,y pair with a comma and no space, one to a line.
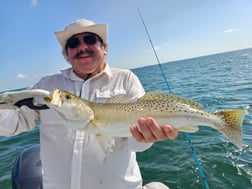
114,117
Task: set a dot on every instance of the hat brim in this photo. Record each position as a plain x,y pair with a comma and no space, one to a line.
99,29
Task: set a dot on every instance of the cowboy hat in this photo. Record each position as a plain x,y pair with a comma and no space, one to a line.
81,26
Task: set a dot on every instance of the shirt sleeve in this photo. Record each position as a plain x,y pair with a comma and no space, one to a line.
13,122
135,88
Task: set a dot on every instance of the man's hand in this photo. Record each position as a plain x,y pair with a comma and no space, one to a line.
150,131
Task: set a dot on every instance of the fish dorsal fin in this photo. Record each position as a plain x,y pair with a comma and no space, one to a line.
121,98
172,98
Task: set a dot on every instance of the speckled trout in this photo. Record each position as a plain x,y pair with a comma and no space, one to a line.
114,117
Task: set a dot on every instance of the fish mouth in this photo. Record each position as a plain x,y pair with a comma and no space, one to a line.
48,99
54,99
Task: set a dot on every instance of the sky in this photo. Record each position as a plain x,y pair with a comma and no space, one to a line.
178,29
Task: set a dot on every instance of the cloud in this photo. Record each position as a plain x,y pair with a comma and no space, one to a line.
34,3
21,76
231,30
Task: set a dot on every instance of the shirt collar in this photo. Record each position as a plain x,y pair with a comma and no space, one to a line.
69,73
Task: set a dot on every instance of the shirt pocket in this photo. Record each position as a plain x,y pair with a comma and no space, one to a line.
103,96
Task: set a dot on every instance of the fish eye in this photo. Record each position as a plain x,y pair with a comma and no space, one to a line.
68,97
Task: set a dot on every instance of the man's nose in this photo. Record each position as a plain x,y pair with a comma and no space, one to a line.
82,45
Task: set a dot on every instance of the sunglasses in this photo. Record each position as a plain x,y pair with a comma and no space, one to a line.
74,42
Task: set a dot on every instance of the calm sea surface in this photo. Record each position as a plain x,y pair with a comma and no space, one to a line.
221,81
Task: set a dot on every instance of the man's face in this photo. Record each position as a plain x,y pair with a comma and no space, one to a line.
86,53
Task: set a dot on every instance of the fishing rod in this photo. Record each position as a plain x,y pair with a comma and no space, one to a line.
169,89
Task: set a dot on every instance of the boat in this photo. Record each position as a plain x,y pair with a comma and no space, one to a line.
27,169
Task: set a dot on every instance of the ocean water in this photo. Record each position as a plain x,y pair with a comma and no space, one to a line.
220,81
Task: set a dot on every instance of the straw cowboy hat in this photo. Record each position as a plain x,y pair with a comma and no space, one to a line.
80,26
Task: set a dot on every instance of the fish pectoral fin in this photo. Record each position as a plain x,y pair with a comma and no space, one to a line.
188,129
106,143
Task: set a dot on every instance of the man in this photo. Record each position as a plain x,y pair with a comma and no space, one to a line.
73,159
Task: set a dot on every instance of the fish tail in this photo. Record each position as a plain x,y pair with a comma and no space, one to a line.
231,128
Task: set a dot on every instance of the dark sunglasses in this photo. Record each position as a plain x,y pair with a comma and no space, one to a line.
74,42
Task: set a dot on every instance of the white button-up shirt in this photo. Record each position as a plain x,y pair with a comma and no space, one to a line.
73,159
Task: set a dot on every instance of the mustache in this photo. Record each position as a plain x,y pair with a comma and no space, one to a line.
78,55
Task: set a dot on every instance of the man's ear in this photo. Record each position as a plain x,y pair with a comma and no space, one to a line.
67,57
105,45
